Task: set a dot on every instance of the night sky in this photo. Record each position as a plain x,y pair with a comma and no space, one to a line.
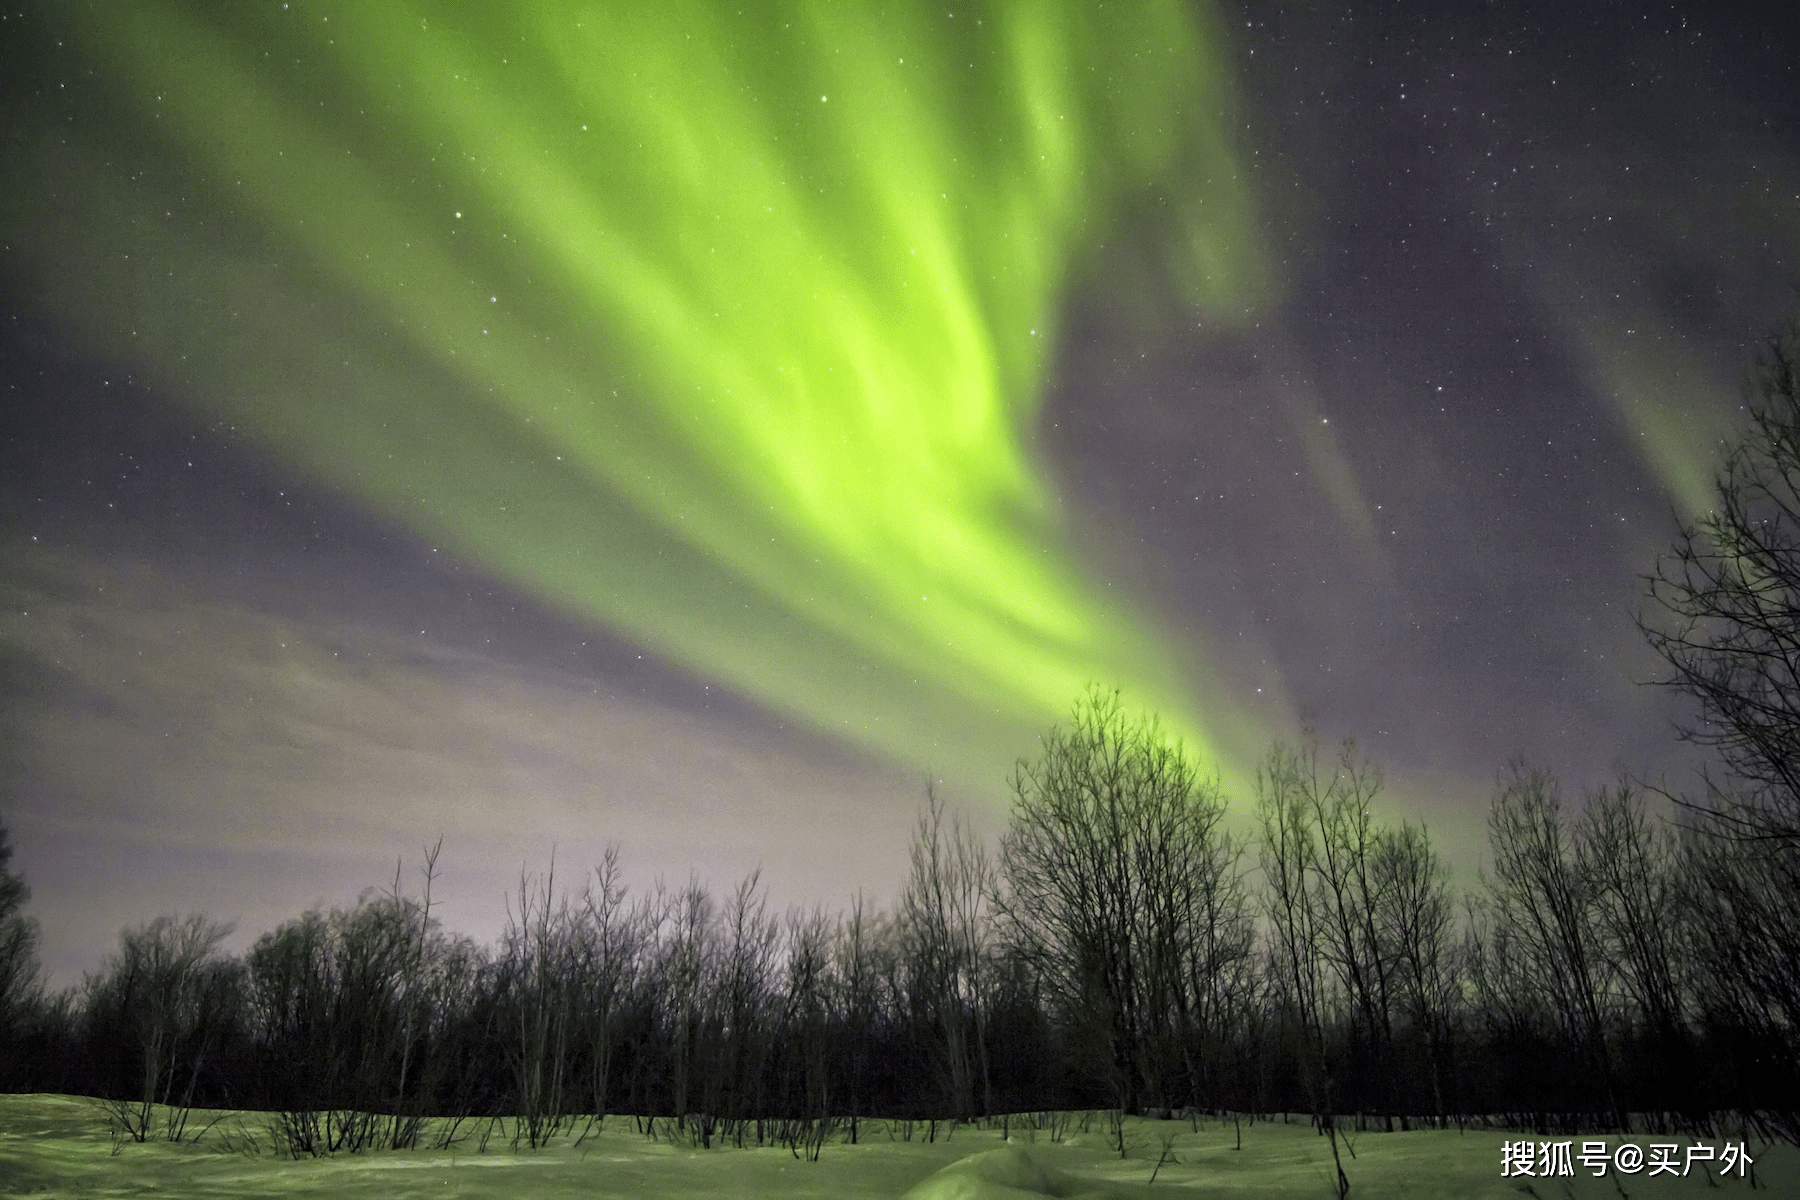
549,424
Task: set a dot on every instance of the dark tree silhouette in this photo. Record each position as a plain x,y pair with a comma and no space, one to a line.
18,954
1723,610
1545,900
1612,972
171,987
945,926
1110,823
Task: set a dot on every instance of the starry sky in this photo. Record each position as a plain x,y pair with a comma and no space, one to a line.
556,423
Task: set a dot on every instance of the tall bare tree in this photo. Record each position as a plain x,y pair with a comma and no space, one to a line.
947,925
538,964
1287,808
415,997
738,1026
1540,892
1723,610
1353,897
686,959
170,983
1416,924
811,1006
1197,931
1742,942
859,979
1087,860
1630,865
18,950
609,942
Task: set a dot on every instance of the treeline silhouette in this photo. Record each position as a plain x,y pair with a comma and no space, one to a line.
1614,966
1118,949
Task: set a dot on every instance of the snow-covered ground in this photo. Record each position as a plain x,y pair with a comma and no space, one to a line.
55,1146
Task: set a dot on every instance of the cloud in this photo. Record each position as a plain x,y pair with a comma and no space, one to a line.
176,751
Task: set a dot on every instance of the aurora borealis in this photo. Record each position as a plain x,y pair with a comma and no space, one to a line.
892,370
725,331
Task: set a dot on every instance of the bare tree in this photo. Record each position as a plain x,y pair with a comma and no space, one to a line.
1287,793
1630,866
415,997
169,983
18,949
537,965
1359,916
1197,933
686,960
1353,897
1416,925
610,940
293,985
859,976
1743,945
1087,860
1541,894
947,926
738,1022
811,1006
1724,612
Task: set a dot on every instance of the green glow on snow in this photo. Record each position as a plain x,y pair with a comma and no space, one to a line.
727,329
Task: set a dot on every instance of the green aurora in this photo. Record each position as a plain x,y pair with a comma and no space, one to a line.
725,329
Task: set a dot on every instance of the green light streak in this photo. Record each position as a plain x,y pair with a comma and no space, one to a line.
1671,404
726,330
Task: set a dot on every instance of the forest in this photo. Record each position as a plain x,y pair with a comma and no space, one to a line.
1627,959
1118,950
